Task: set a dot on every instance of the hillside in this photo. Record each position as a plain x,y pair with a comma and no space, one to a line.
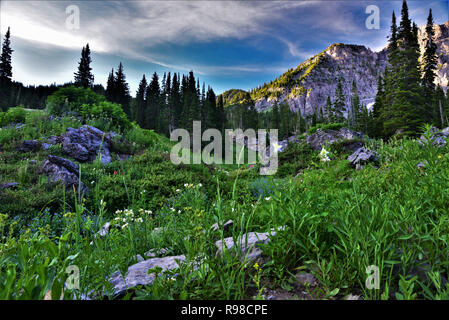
307,86
235,97
217,232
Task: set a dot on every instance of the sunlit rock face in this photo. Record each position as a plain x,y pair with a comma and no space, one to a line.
307,87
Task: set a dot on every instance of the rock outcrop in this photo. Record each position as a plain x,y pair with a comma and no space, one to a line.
247,247
86,144
438,138
63,170
30,146
320,137
362,157
307,86
137,274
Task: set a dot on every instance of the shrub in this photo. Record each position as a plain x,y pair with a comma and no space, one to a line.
107,116
70,99
13,115
326,126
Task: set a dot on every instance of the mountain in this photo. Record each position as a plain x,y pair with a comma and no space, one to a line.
307,86
235,96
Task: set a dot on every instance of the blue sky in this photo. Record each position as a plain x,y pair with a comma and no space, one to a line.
228,44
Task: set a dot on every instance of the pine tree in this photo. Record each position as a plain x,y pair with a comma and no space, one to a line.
403,112
6,87
377,124
429,71
5,59
121,91
339,104
84,77
328,109
175,100
221,114
153,103
440,109
355,110
276,119
141,102
285,120
110,87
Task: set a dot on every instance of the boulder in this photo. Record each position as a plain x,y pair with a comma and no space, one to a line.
85,144
306,279
154,253
226,226
362,156
30,146
9,185
137,274
438,138
320,138
247,245
60,169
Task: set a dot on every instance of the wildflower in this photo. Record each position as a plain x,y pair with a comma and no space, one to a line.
178,190
125,225
324,155
172,209
276,147
200,185
139,220
268,198
440,156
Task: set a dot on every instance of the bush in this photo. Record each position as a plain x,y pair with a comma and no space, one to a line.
71,99
106,115
326,126
93,108
13,115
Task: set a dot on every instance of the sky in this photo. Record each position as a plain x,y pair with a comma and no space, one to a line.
228,44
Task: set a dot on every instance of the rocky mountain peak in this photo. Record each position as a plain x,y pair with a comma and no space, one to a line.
307,87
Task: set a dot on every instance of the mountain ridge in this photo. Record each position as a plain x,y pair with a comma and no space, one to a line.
307,86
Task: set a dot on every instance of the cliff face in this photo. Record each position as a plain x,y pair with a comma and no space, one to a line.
442,42
306,88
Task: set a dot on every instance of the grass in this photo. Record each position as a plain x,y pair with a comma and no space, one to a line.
337,222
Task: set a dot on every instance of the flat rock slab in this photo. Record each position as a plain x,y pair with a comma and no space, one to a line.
9,185
248,245
137,274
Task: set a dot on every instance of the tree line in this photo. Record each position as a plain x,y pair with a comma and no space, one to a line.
407,96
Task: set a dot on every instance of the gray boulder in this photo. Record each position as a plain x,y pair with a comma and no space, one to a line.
362,156
438,138
30,146
60,169
226,226
248,246
320,138
306,279
9,185
137,274
86,143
